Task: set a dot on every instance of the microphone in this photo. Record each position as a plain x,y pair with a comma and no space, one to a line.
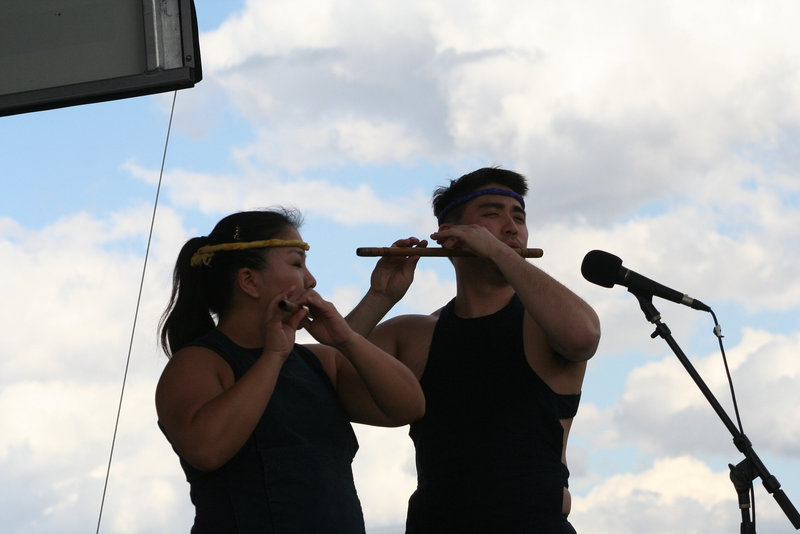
605,269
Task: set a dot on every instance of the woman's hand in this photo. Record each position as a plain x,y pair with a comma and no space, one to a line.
324,322
280,327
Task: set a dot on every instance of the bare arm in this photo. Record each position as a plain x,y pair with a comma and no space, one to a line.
389,282
374,387
207,415
570,324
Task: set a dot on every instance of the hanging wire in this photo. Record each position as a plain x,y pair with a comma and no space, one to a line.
136,313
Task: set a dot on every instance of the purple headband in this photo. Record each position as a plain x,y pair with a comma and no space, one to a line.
475,194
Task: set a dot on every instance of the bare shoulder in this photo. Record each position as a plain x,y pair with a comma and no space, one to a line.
193,363
191,377
402,327
408,338
562,375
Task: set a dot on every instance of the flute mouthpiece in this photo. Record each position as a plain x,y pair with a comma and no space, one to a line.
291,307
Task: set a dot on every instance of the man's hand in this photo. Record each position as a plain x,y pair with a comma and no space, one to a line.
474,238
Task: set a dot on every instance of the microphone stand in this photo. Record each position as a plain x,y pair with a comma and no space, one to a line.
743,474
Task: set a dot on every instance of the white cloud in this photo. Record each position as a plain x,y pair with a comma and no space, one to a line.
56,272
663,411
678,494
50,419
384,473
215,194
63,362
674,494
429,292
347,139
629,105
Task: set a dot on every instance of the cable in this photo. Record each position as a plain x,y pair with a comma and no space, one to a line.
718,334
136,313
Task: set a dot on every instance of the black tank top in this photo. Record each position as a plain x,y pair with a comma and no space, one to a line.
293,475
488,450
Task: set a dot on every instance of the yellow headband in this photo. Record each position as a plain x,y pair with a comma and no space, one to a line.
204,254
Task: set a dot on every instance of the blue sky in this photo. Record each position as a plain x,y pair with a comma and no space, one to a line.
665,134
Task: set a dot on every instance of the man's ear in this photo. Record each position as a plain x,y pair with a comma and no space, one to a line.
248,282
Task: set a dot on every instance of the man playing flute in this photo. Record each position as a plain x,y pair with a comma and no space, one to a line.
501,366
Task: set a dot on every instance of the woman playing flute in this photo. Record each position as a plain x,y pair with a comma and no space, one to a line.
261,424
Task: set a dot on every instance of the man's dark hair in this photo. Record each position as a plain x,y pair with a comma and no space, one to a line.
444,196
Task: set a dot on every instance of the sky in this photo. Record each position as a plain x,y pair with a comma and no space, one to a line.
663,132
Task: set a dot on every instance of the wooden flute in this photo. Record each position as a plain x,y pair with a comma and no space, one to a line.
435,252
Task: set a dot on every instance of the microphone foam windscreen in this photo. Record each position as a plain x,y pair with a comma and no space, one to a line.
601,268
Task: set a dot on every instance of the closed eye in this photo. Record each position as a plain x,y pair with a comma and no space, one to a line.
297,259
